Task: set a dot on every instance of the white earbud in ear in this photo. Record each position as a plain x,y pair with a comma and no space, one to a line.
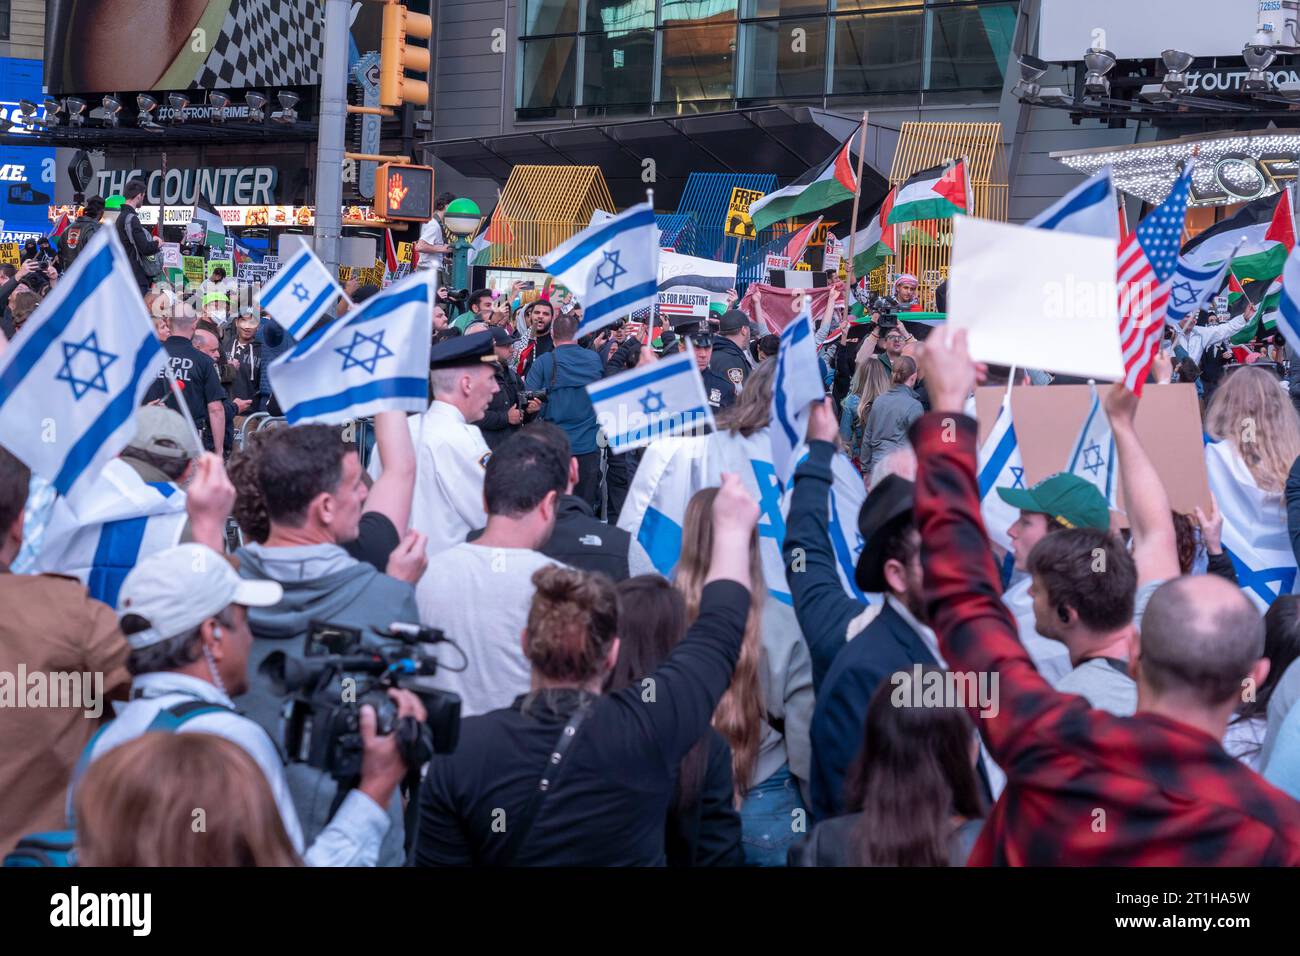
216,631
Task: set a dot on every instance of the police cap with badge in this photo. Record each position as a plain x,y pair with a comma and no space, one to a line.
464,350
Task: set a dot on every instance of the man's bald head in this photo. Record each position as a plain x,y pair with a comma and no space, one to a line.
207,343
1200,636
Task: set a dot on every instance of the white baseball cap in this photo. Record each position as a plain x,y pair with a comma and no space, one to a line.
178,589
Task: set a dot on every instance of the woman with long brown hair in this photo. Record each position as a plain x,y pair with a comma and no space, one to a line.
870,381
703,826
913,793
187,799
750,714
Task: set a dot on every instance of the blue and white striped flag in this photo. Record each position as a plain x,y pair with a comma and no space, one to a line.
611,267
300,293
796,385
1192,285
652,401
120,520
1089,209
1093,456
1288,306
999,466
74,375
375,358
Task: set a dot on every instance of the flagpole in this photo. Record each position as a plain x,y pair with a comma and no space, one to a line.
185,409
654,309
857,196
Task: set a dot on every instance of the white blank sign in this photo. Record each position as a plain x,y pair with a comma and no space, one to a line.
1035,298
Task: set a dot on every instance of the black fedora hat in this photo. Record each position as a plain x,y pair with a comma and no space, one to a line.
887,506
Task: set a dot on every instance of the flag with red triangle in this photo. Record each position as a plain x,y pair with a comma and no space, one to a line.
818,188
939,192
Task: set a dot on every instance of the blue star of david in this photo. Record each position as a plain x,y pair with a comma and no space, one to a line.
1258,581
1018,476
380,351
299,292
652,402
611,259
1182,293
82,384
1093,460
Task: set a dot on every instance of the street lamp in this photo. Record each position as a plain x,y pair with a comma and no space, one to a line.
461,219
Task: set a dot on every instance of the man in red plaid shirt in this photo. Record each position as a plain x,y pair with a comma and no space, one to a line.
1085,787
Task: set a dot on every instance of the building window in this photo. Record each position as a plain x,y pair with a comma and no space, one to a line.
4,19
594,57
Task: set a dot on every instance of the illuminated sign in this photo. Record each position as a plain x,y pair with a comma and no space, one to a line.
404,192
221,186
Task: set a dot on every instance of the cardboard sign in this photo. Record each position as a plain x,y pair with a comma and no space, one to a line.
10,252
1036,298
831,262
739,223
687,284
225,265
1048,419
772,263
821,234
170,253
194,269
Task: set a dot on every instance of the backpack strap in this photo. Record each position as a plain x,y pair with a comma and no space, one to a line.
168,720
554,763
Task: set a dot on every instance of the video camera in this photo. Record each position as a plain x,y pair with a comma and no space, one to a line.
528,396
337,675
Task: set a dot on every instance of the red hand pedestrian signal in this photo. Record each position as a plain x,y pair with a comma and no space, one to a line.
396,191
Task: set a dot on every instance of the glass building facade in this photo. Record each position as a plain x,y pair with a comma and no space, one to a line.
585,58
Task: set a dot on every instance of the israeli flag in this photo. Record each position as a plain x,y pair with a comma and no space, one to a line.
1288,307
999,466
1254,527
1089,209
796,385
611,267
120,520
1191,286
1093,456
73,376
300,293
652,401
374,359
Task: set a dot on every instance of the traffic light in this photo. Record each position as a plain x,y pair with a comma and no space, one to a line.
404,192
396,56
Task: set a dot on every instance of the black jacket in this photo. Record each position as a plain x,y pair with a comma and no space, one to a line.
619,357
137,242
582,541
729,361
495,423
706,832
610,798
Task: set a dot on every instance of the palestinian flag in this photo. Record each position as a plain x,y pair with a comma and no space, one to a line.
214,230
1266,230
939,192
1267,295
798,243
877,242
815,190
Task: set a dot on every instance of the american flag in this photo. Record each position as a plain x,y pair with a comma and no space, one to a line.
1148,257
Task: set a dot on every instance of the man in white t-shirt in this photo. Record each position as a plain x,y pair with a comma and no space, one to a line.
432,244
480,592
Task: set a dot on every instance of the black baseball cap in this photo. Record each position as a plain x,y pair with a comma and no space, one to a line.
733,320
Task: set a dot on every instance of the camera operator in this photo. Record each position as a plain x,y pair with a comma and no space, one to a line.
604,800
512,406
185,615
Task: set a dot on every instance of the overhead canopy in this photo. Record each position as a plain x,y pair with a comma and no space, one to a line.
776,139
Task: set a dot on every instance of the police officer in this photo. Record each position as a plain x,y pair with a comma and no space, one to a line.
719,391
731,360
450,451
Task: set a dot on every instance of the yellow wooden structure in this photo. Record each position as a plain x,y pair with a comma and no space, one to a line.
542,206
920,146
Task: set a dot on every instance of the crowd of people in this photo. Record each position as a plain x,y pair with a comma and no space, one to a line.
534,691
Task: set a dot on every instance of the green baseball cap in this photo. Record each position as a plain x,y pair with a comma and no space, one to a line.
1063,496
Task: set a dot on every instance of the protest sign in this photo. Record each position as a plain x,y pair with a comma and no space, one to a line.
10,253
687,284
1048,420
739,223
194,269
1036,298
225,265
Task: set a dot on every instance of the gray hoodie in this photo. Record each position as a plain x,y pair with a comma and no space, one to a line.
321,583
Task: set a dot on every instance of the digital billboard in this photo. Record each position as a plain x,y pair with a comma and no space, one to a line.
115,46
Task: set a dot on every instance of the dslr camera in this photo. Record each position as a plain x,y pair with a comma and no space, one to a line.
528,396
338,674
